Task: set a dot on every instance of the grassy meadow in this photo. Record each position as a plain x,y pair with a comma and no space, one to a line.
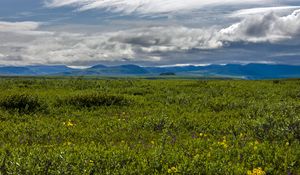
139,126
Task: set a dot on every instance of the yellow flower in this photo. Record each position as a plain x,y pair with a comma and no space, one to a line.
287,143
202,135
152,142
172,170
68,143
69,123
256,171
224,143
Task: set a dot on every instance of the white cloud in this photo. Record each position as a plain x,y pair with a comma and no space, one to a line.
147,6
264,28
2,55
18,26
262,10
141,44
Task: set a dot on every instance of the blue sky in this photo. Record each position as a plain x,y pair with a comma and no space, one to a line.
149,32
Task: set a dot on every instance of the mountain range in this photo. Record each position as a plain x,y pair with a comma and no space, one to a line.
248,71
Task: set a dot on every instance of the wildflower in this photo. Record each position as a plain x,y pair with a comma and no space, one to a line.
203,135
152,142
256,171
287,143
69,123
68,143
172,170
224,143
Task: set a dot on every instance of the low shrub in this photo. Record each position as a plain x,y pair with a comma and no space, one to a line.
22,103
93,100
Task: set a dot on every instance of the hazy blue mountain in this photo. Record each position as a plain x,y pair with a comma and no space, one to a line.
249,71
254,71
34,70
99,66
129,69
174,69
46,70
10,70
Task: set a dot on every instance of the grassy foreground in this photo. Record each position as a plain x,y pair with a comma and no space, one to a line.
77,126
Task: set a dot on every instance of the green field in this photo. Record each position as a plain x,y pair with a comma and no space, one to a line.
136,126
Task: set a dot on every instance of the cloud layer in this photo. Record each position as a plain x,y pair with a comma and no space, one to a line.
18,26
262,10
25,43
146,6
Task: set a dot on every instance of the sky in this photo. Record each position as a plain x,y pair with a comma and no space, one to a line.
149,32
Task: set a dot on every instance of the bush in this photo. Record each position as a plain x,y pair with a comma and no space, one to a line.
22,103
167,74
93,100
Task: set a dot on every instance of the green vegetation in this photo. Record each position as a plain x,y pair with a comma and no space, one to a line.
21,102
88,100
135,126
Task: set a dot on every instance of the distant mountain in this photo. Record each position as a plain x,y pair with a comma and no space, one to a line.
249,71
254,71
174,69
113,70
15,71
34,70
99,66
46,70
